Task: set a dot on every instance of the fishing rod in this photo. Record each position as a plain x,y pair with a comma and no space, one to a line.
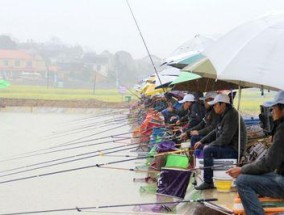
147,179
77,159
132,92
59,150
80,209
97,151
104,119
90,140
66,170
131,169
218,208
113,119
127,88
94,144
97,116
100,153
72,142
24,155
93,125
90,127
91,135
144,42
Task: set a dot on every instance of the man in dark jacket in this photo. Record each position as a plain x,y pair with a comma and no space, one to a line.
207,124
194,116
222,142
264,177
180,114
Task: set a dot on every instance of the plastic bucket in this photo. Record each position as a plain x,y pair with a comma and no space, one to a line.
223,184
179,161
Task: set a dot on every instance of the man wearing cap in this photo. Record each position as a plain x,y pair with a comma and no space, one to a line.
222,142
207,124
264,177
190,111
195,114
182,113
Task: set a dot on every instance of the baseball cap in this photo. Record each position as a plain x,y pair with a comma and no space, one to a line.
211,94
187,98
278,99
220,98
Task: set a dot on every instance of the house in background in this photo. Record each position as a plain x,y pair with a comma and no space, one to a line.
20,65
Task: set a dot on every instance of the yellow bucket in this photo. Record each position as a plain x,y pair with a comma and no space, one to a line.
223,184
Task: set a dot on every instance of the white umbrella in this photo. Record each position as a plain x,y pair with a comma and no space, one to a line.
166,76
251,53
188,49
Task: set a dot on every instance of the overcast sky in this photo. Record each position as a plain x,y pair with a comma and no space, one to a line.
100,25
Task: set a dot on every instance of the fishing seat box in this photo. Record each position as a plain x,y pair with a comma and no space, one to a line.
270,205
218,172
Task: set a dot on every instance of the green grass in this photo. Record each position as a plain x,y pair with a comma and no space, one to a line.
38,92
251,99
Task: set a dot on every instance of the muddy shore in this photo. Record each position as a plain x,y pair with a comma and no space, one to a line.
90,103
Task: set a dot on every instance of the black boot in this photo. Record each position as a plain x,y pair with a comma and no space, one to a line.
205,186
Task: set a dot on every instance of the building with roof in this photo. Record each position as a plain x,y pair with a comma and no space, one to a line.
19,64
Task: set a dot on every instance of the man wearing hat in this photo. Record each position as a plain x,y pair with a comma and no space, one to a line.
190,111
196,111
222,142
264,177
207,124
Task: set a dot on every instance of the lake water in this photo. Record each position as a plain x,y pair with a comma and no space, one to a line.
23,132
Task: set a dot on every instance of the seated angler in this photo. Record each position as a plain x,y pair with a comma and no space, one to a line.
195,114
222,142
207,124
172,104
181,114
265,176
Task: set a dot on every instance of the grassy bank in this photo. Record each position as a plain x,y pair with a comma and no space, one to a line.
38,92
250,100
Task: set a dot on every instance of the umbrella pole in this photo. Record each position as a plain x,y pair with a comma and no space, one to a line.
239,122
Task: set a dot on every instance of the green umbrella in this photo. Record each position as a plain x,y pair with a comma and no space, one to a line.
4,84
185,76
194,82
